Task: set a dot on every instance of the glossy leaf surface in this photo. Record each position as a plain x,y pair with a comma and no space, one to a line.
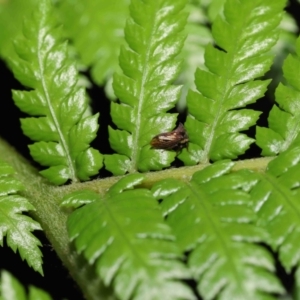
216,117
145,88
277,205
213,219
16,227
132,248
284,118
57,104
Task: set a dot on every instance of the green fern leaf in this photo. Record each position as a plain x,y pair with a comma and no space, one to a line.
117,164
285,45
12,14
15,226
96,29
276,198
82,197
246,33
11,18
126,183
144,88
284,125
79,198
62,133
37,294
125,237
11,289
215,209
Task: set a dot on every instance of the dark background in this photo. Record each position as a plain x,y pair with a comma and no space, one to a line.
56,279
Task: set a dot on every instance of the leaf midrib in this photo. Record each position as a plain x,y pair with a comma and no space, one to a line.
202,199
212,136
286,195
122,233
136,133
62,140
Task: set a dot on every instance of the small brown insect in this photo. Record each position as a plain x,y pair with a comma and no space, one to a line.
173,140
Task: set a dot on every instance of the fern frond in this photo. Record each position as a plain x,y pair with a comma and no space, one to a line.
62,133
276,199
11,289
124,235
96,29
284,118
144,89
17,227
215,210
245,35
11,18
285,45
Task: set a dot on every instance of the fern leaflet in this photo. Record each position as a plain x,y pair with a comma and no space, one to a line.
15,226
11,289
144,88
245,35
284,119
62,133
11,17
123,234
215,210
276,199
96,29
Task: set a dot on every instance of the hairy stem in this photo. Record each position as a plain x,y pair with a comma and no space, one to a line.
45,198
